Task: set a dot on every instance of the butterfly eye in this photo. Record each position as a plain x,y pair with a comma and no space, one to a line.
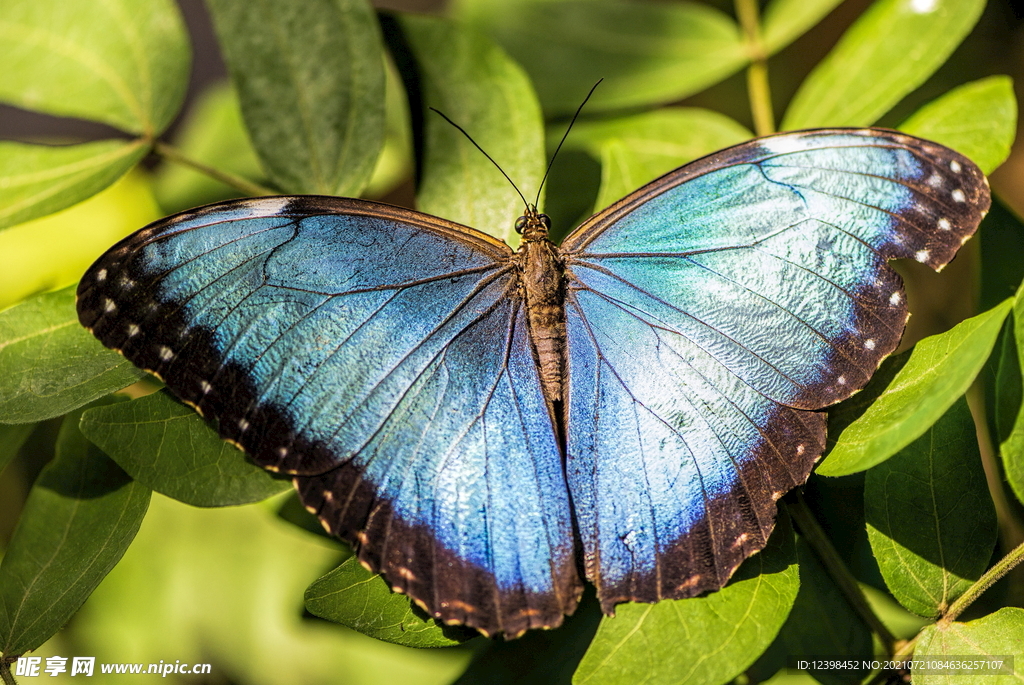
545,220
521,224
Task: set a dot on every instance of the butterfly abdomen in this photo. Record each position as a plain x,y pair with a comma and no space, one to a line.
543,279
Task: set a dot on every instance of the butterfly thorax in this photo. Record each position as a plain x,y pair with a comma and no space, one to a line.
543,276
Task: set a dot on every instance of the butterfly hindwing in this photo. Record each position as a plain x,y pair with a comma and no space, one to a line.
709,311
380,356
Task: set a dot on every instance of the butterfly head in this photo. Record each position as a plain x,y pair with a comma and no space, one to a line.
533,225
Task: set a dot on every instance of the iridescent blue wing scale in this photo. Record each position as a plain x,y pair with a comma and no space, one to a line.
380,356
709,312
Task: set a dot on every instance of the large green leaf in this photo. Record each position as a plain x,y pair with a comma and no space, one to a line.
122,62
978,119
637,149
225,586
937,372
885,55
709,639
310,77
997,635
49,364
362,600
79,519
466,76
41,179
931,522
647,53
786,20
167,447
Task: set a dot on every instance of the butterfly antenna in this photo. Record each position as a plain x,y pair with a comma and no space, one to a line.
527,204
564,136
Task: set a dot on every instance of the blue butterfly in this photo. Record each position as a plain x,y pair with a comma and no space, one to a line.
480,422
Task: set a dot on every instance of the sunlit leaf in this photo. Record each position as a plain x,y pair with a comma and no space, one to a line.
996,635
931,522
121,62
709,639
647,53
978,119
310,78
12,437
466,76
79,519
784,21
167,447
890,50
37,180
49,364
362,600
1009,407
937,372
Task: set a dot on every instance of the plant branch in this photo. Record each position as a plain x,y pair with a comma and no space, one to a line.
1002,567
811,531
237,182
5,673
758,88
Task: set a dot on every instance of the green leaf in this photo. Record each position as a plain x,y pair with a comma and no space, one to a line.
40,179
822,621
466,76
123,62
167,447
930,519
395,163
786,20
11,439
890,50
213,133
1001,235
978,119
79,519
709,639
937,372
637,149
540,656
225,586
49,364
995,635
362,600
647,53
310,77
1009,403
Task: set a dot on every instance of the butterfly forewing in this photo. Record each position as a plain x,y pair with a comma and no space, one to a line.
709,310
381,357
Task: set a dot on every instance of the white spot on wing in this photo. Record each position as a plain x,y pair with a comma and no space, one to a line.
934,180
869,344
841,380
781,145
799,449
108,305
958,195
944,224
243,425
921,256
282,452
166,354
895,298
205,387
955,167
101,275
133,330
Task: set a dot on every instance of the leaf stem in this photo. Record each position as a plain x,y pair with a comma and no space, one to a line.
836,568
1002,567
237,182
5,673
758,88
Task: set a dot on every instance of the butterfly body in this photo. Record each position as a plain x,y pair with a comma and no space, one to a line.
477,420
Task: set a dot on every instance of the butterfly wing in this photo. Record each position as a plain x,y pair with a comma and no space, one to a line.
708,312
381,357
